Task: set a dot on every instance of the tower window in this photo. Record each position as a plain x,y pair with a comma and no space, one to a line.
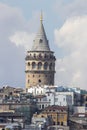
28,81
33,65
45,65
50,66
34,55
40,41
39,65
45,56
28,63
40,55
39,81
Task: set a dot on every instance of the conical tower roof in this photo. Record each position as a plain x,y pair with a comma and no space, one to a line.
41,43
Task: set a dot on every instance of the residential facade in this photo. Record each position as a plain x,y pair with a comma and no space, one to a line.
59,114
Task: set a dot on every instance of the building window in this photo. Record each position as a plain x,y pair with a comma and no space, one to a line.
39,81
61,123
50,66
58,123
53,123
33,65
43,106
86,98
39,65
45,65
40,41
51,82
40,106
56,99
28,63
48,94
28,80
45,56
34,55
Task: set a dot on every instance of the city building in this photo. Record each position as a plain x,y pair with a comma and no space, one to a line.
42,101
40,61
79,109
59,114
84,100
78,121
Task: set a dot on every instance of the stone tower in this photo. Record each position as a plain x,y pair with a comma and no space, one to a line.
40,61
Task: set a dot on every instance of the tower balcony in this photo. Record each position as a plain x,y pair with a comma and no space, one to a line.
40,71
41,58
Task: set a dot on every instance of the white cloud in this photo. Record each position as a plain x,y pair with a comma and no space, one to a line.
24,39
71,8
72,38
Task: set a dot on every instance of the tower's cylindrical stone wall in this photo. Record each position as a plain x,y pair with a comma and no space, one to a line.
40,68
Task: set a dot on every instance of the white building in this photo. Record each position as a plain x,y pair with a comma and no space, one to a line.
60,98
42,101
40,90
80,109
37,90
63,98
51,97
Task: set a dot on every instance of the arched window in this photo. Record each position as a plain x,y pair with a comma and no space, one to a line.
28,63
39,65
45,56
50,66
34,55
33,65
45,65
40,56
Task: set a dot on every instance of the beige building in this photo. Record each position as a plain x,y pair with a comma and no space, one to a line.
59,114
40,61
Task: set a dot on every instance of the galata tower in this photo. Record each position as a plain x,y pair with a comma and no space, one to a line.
40,61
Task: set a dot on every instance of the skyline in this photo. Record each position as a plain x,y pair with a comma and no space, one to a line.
65,25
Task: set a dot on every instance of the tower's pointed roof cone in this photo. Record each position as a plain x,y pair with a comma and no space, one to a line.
41,43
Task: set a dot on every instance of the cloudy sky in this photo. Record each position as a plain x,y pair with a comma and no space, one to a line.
65,23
